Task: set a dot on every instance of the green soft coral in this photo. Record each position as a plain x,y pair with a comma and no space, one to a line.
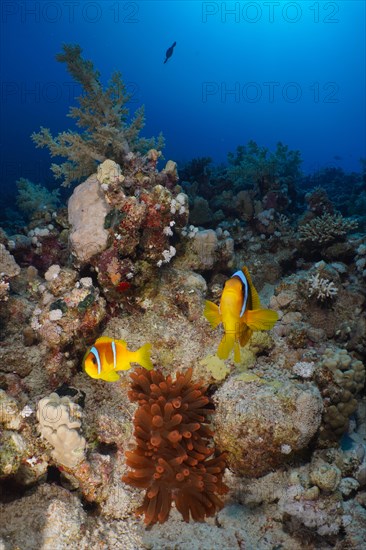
102,115
33,197
253,165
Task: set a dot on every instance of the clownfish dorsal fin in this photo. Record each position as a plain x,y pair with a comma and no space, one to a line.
255,302
241,275
108,340
104,340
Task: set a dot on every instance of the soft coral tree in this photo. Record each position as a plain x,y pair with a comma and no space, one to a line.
102,115
253,164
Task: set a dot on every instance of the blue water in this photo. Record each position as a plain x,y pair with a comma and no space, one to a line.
269,71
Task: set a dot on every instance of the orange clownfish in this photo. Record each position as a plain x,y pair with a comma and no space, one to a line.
108,356
240,313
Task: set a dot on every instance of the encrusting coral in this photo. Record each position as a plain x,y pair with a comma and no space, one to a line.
102,115
174,442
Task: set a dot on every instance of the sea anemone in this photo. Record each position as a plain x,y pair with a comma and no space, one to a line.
173,445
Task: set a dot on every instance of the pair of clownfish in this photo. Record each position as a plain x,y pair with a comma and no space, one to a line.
239,311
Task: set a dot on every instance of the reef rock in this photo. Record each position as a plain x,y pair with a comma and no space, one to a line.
260,423
8,265
87,210
50,517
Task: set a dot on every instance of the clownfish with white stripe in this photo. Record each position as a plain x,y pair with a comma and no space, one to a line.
240,312
107,356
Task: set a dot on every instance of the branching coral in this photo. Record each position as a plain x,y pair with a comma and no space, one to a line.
323,289
174,442
326,228
103,115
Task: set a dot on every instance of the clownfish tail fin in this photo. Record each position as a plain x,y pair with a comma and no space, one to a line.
142,356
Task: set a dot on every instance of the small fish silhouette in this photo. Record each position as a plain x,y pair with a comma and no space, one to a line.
169,52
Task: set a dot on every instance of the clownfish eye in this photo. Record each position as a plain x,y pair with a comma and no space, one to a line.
94,361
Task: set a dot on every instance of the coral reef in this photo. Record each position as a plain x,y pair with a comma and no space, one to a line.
67,308
126,231
173,445
134,256
255,181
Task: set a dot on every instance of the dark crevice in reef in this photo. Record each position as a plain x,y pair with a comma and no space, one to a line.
91,508
10,490
78,396
53,475
106,448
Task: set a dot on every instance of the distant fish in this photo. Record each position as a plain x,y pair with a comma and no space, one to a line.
107,356
169,52
337,157
240,312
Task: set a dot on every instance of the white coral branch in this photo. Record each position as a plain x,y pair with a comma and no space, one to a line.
322,288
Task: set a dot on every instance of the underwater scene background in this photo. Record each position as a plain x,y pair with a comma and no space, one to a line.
182,275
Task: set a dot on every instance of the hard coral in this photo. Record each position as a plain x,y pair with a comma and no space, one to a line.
173,441
326,229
